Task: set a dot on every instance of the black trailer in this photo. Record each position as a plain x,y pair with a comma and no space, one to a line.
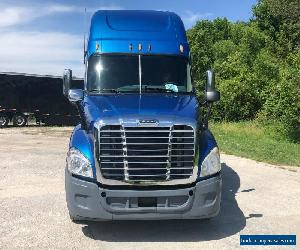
38,96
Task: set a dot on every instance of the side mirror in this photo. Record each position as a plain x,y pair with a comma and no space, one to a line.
211,94
75,95
67,79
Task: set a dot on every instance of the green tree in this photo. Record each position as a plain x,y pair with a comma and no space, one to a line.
282,106
202,37
257,65
281,20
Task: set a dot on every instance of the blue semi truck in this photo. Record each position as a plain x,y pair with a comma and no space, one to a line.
142,149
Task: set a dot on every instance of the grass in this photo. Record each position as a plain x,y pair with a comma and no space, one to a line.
249,140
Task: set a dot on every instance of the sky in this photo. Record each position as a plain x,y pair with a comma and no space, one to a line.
46,36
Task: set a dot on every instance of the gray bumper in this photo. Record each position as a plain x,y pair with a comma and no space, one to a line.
86,202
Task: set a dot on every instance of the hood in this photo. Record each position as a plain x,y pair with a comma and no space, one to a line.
146,106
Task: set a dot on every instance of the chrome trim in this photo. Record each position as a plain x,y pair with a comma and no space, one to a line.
143,168
123,136
141,143
168,174
146,162
140,74
150,156
142,182
174,131
146,175
148,123
129,137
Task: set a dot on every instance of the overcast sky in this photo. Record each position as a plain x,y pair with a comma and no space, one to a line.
44,37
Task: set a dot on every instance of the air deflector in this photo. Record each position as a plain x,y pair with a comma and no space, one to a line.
138,21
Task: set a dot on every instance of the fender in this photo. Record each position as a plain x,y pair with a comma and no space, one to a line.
82,141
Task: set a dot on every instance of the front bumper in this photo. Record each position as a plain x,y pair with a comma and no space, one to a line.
88,201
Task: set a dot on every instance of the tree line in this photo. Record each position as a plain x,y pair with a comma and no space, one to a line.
257,66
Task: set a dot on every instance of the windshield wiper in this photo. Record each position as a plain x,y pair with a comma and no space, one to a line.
104,91
146,88
94,90
110,90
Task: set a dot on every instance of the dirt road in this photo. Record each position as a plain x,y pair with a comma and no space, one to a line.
257,199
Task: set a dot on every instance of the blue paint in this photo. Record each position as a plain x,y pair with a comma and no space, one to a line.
140,106
115,30
207,143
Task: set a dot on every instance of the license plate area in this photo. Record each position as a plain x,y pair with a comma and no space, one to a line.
147,202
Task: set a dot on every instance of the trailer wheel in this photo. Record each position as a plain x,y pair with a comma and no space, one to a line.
19,120
4,120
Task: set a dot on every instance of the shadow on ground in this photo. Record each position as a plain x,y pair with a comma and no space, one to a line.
230,221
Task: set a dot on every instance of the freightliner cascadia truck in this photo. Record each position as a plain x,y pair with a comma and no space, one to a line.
142,149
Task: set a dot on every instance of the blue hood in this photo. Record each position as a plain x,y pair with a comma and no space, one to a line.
128,106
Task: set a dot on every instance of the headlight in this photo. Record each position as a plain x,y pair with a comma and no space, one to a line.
211,164
78,164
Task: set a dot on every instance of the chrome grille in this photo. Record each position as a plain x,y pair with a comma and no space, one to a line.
143,154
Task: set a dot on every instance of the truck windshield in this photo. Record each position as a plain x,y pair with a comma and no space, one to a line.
134,73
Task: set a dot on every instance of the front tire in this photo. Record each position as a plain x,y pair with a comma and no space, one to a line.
4,120
73,218
19,120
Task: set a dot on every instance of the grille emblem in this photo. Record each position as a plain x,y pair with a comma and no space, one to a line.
148,123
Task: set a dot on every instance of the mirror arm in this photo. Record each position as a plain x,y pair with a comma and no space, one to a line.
81,115
205,122
204,103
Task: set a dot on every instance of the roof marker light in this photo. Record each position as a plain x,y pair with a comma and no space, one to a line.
140,47
181,48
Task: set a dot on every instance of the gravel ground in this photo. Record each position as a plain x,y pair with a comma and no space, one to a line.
257,198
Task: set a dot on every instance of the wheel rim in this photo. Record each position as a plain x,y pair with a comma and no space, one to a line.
2,120
19,120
